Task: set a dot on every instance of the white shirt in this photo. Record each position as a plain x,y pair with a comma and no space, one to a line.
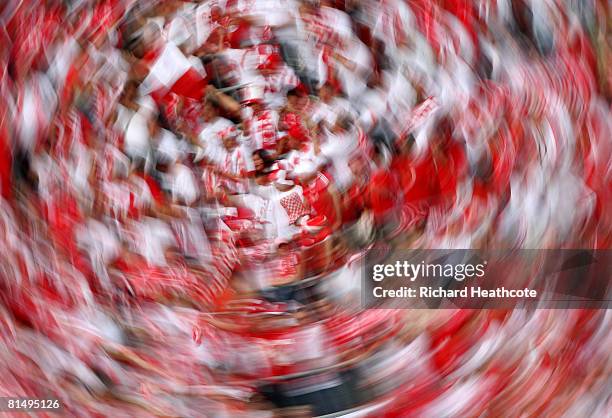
98,241
183,185
373,107
278,223
35,109
338,149
329,112
181,30
211,141
203,23
152,237
168,147
136,140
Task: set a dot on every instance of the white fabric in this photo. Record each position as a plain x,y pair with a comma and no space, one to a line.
168,147
136,139
211,142
183,184
167,69
151,238
339,149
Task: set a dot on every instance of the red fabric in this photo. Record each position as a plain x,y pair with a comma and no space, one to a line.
382,194
215,36
310,239
426,188
6,162
191,84
272,62
450,349
457,320
151,56
63,217
320,199
480,190
451,171
464,11
425,12
292,122
238,36
287,265
502,169
353,204
402,168
72,81
263,128
156,191
244,213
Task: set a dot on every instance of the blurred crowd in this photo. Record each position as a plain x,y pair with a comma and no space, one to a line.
188,189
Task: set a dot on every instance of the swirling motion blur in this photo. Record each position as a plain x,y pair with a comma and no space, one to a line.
188,188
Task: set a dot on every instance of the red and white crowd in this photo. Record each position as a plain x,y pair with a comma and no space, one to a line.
188,188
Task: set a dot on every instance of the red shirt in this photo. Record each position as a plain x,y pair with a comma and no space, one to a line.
382,193
353,203
403,168
451,170
320,199
6,162
426,185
